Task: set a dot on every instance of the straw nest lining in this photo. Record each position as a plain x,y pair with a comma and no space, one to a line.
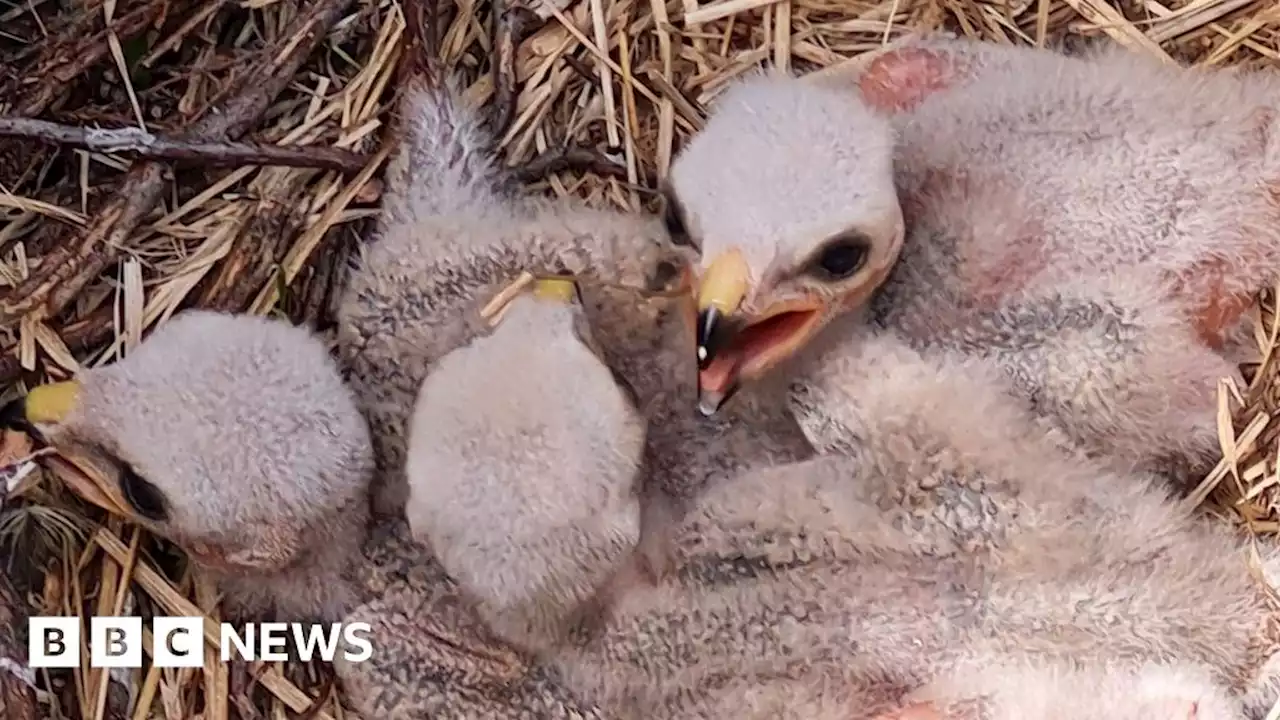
98,244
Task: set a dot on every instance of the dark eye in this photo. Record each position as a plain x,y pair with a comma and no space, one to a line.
673,218
842,258
145,498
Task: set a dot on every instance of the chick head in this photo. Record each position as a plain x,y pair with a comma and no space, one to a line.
788,193
232,436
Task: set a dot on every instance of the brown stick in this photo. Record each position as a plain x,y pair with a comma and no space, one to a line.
579,159
259,244
71,55
418,61
139,142
79,260
581,69
61,60
511,26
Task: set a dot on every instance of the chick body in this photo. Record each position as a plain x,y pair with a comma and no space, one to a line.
502,430
452,236
946,533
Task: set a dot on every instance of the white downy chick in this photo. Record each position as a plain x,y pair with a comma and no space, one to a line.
234,437
450,238
947,531
1156,184
524,466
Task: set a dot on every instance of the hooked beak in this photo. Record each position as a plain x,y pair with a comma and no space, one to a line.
51,404
732,349
720,293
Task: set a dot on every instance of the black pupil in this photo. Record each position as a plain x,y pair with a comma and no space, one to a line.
842,259
145,498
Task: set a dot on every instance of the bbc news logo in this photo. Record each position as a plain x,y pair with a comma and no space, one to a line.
54,642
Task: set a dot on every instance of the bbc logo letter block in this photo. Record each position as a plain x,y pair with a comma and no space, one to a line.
55,642
179,641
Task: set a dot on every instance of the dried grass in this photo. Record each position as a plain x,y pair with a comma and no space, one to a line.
96,248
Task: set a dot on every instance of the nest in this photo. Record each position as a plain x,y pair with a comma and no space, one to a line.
163,154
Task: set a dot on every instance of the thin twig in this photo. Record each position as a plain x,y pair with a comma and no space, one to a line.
581,70
418,58
152,146
578,159
75,263
512,24
62,60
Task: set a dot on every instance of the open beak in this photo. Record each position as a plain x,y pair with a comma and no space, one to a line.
720,293
733,349
86,476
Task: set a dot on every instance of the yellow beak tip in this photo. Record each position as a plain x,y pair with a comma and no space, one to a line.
724,283
555,289
53,402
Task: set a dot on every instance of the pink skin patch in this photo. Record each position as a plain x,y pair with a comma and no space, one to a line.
1213,310
991,282
985,279
1219,310
900,80
1218,313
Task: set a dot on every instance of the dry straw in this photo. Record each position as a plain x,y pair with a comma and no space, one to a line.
102,237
